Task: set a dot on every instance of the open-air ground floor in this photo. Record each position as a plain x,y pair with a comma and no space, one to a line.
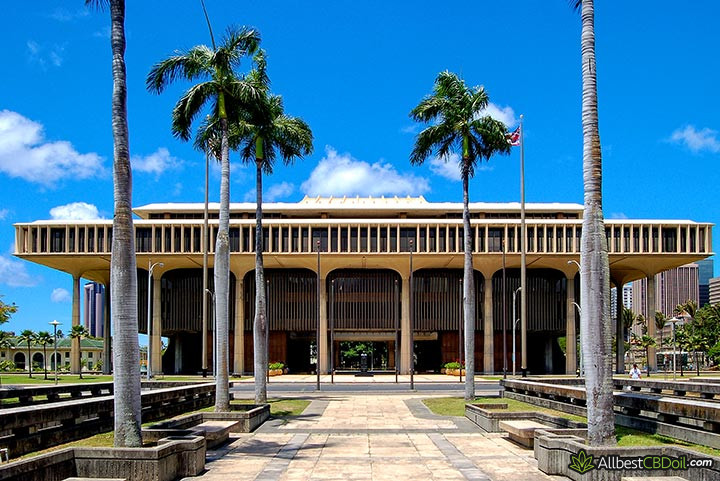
344,436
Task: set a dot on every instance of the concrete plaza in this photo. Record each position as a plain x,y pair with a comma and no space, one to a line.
371,436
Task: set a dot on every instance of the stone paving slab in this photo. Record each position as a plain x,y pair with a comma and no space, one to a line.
388,438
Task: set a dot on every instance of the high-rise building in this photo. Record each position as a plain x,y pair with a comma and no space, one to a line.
672,287
94,314
705,272
714,297
628,296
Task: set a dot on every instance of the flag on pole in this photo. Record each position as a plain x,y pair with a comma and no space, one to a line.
513,137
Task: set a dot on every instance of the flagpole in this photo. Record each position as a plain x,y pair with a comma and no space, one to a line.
523,249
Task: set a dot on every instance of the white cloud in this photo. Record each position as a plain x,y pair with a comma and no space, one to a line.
178,189
446,167
75,211
4,213
450,167
618,215
341,174
697,140
156,163
15,274
505,115
44,55
65,15
25,153
410,129
60,295
278,191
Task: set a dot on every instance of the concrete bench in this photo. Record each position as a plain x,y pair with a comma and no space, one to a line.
77,478
522,431
653,478
215,432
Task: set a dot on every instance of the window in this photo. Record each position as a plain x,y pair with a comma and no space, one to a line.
320,234
234,239
406,235
495,239
363,239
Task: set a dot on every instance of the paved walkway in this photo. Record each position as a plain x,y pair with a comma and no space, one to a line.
371,437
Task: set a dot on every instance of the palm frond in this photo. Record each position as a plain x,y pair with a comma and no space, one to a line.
189,106
188,65
575,4
237,42
98,4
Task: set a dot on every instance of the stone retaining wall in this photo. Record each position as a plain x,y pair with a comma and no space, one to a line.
172,458
553,451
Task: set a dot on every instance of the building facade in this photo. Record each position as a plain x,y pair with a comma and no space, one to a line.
44,357
94,309
672,287
354,256
705,273
714,291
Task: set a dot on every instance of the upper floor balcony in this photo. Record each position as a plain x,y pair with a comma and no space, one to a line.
365,236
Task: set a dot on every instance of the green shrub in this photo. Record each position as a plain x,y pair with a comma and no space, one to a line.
276,365
453,365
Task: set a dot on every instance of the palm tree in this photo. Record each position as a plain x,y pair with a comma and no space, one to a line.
628,319
595,321
44,338
261,133
79,332
455,114
646,342
660,322
225,91
28,337
123,269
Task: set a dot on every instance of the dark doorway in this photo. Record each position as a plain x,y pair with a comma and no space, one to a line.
300,349
427,356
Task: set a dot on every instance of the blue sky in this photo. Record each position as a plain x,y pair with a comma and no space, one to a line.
353,71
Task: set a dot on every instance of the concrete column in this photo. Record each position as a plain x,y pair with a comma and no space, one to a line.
651,308
75,343
570,330
619,330
156,341
323,350
239,334
107,334
488,329
405,348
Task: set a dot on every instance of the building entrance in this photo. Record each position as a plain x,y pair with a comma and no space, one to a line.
373,356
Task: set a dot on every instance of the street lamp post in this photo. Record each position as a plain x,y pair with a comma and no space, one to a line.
317,336
582,369
673,322
212,316
412,327
55,324
151,266
515,321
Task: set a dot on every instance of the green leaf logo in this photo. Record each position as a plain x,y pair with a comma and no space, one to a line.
581,462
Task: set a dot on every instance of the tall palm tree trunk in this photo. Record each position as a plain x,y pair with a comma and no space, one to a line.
260,322
595,322
29,363
123,270
221,270
468,291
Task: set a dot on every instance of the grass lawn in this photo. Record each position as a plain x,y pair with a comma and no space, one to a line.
104,440
455,406
39,378
286,407
632,437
